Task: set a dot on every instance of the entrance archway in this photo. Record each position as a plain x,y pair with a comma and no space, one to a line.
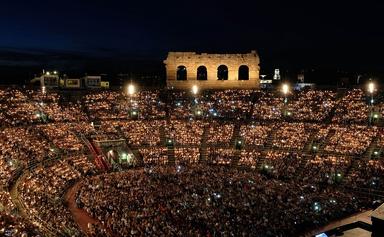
243,72
202,74
181,73
222,72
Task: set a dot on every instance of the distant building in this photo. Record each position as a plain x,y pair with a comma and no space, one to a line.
105,84
212,71
47,79
72,83
92,81
53,80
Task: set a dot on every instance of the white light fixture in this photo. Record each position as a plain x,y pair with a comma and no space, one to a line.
195,89
131,89
285,89
371,87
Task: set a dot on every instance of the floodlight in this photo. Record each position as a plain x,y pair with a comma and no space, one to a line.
195,89
285,89
371,87
131,89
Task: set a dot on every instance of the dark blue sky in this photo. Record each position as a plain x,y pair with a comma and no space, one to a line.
286,34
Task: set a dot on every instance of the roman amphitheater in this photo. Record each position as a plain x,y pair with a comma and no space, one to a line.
201,157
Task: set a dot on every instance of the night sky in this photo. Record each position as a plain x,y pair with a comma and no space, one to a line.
115,36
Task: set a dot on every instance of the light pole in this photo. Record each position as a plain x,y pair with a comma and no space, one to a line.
371,90
130,91
285,90
195,91
43,92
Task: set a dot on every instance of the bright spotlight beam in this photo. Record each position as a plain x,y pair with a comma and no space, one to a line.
195,89
371,87
131,89
285,89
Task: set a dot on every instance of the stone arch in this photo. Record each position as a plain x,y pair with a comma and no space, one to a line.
243,72
202,74
181,73
222,72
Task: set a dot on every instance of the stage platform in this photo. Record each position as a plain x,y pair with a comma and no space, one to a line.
365,224
358,225
357,232
355,229
363,217
378,221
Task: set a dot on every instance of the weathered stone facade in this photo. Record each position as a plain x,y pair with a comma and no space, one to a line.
212,71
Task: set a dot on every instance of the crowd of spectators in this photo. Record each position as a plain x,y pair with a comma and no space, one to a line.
353,108
72,112
221,156
12,225
142,132
232,103
149,104
187,155
268,106
185,132
17,109
116,105
327,168
62,136
203,200
282,165
19,147
219,133
291,135
154,155
23,107
312,105
368,175
249,158
255,134
217,104
37,126
41,194
353,139
104,105
181,104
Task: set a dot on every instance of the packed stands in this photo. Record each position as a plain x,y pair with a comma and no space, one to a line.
252,156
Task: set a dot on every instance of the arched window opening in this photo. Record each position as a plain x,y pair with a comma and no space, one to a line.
222,72
181,73
243,72
202,73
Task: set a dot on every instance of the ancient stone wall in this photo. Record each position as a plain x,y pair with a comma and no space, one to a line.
192,61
